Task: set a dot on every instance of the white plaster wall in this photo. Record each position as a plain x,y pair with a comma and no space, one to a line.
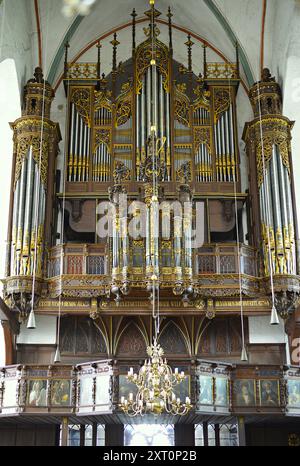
260,330
10,110
44,334
195,16
291,96
16,37
244,17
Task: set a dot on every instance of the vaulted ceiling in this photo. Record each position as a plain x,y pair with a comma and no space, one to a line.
36,30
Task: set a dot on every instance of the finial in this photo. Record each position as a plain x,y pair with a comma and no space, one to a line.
99,62
134,15
67,46
169,15
115,44
189,45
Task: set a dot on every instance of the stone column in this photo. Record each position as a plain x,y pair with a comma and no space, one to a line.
205,434
217,435
241,431
94,434
82,435
64,432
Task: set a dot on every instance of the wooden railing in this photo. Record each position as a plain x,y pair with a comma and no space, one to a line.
92,259
95,388
77,259
222,258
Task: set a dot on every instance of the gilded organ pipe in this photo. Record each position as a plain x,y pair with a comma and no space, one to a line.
268,140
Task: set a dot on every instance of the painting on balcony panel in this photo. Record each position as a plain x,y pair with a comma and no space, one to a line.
61,393
37,393
221,390
293,387
103,390
269,392
206,390
126,387
244,391
183,389
86,391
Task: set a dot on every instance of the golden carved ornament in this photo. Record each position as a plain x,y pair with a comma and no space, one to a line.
202,98
202,136
124,105
102,136
221,102
121,172
221,71
39,152
81,97
182,105
264,153
184,173
82,71
144,55
102,100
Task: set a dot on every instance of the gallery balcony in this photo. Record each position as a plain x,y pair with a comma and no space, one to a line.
94,389
84,269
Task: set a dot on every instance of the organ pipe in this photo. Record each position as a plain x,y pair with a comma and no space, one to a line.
268,144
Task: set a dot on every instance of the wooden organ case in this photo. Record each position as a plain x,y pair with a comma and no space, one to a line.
109,121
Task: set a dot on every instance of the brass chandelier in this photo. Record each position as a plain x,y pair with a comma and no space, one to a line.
155,383
155,380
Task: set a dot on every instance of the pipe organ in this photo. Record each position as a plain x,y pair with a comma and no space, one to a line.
110,118
36,140
267,140
139,232
154,131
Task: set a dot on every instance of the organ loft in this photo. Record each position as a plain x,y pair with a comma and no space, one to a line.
149,235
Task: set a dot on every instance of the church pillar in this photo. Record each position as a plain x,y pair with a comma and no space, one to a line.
94,434
114,435
184,435
217,435
82,435
64,432
241,431
205,434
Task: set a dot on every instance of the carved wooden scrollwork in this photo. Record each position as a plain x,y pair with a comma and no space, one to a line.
144,54
40,151
274,133
221,102
182,105
202,136
102,100
102,136
81,97
124,105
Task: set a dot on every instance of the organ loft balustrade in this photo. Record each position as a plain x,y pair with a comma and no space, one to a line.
81,265
95,389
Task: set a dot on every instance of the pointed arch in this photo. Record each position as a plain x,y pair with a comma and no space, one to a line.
131,340
173,340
